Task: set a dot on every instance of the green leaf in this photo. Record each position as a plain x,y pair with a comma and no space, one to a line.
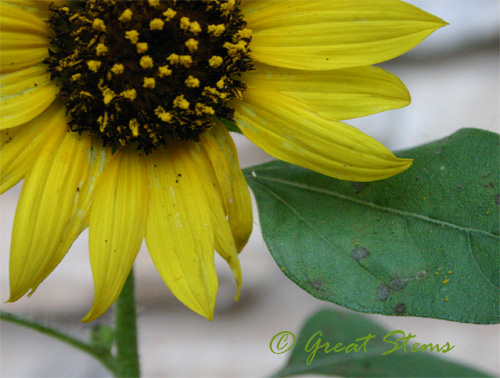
368,360
102,337
231,126
423,243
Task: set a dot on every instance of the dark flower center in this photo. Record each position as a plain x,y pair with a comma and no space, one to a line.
148,71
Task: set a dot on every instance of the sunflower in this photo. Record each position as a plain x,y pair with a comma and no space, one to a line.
111,112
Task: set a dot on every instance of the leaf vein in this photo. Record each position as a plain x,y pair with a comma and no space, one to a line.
378,207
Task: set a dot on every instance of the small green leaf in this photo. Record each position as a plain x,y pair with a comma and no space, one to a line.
367,360
102,337
231,126
423,243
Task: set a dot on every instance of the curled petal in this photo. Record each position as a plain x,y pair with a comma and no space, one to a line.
226,172
338,94
50,213
291,131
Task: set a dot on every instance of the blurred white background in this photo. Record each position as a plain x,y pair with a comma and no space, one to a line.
454,81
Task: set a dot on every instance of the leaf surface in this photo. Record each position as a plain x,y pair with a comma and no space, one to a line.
423,243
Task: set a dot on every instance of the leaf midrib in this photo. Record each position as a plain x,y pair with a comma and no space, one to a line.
374,206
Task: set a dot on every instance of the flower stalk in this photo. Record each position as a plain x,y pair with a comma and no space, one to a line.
127,359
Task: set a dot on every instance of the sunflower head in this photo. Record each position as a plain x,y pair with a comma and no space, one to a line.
142,85
134,71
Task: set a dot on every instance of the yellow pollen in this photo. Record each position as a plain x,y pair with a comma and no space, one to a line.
98,25
101,49
93,65
108,95
192,82
216,30
211,92
134,127
173,58
164,71
185,23
146,62
131,94
228,7
204,109
245,33
149,82
169,14
162,114
192,44
118,68
132,35
103,121
234,48
156,24
181,102
195,27
65,9
142,47
185,60
154,3
76,77
220,84
215,61
126,16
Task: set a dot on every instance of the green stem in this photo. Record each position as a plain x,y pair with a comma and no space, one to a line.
103,356
127,359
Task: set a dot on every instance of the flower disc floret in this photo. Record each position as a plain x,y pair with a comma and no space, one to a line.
161,52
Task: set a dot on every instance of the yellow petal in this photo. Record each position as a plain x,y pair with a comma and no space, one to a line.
24,95
225,233
326,35
224,241
338,94
45,224
225,170
24,38
39,8
117,222
179,233
20,146
291,131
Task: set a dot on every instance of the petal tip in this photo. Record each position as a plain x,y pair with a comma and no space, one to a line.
91,316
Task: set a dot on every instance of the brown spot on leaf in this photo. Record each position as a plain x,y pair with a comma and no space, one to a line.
400,309
316,285
422,274
398,283
359,253
382,293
